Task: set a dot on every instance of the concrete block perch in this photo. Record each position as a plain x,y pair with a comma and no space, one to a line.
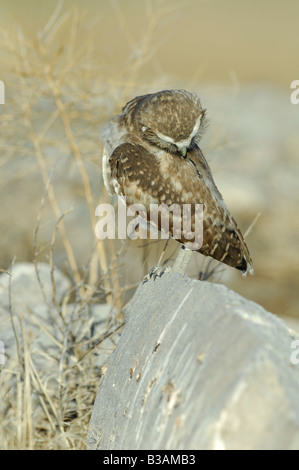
198,367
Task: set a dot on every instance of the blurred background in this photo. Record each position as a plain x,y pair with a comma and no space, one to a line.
68,66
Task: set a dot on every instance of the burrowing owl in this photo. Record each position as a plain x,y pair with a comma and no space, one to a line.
152,155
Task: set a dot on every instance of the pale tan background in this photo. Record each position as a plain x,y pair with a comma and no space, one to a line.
239,56
208,39
70,66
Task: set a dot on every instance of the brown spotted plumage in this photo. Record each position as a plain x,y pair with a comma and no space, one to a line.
152,156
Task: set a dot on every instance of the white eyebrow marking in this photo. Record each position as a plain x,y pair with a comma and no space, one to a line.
184,142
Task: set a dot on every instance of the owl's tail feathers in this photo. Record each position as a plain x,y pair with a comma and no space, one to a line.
245,267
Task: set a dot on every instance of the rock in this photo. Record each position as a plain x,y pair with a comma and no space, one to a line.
198,367
29,309
50,354
35,319
25,287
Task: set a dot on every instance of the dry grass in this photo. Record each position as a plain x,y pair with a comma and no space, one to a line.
49,407
58,99
59,94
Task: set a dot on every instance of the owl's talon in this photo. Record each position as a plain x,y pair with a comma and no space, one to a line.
155,272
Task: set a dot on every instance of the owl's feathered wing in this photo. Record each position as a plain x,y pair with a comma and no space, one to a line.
144,178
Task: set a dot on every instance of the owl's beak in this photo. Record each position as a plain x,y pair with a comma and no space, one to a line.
183,151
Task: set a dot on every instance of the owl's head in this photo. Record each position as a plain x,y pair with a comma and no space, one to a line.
172,120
